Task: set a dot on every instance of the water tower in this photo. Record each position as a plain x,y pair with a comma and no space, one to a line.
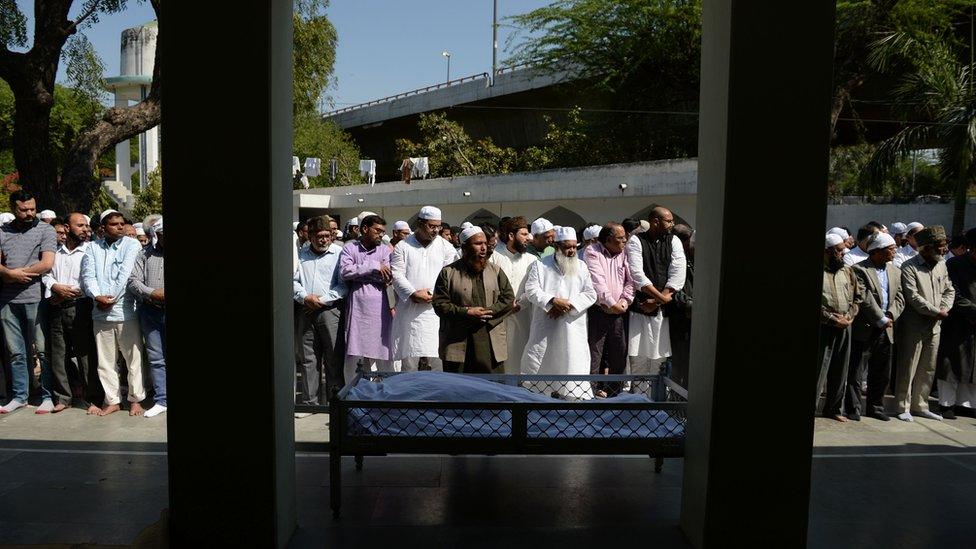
132,86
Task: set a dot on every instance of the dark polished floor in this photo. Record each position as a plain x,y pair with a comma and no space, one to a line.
862,496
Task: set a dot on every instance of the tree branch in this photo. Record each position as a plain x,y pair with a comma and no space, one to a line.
73,27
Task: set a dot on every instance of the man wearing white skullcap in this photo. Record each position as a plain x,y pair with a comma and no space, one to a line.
401,230
472,296
844,234
859,252
560,290
515,249
352,229
543,235
6,217
105,275
146,283
47,216
590,235
839,305
658,268
416,262
141,236
872,333
910,247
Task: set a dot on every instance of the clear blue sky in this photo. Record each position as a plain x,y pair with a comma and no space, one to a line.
385,46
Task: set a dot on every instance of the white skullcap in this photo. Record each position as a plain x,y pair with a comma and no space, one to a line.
105,214
364,215
832,240
899,228
401,226
466,225
354,222
645,226
844,235
87,219
914,225
386,239
880,240
338,234
140,231
158,225
47,214
6,217
565,233
591,232
294,225
541,225
468,233
430,212
137,225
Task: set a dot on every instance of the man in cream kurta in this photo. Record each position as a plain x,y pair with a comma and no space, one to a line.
559,290
512,245
417,260
658,268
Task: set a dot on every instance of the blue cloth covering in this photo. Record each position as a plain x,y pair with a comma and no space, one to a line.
434,387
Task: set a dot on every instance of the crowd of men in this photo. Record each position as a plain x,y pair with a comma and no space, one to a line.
86,305
520,297
901,299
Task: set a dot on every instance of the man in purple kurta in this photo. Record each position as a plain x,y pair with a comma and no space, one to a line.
365,267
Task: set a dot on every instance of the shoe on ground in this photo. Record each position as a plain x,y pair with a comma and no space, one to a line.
948,412
854,416
928,414
880,416
905,416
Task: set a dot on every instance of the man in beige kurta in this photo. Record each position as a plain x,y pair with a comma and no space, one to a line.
928,297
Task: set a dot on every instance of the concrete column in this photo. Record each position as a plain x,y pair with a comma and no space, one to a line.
766,87
123,167
231,430
152,149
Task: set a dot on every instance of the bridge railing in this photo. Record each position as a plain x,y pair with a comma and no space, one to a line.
483,76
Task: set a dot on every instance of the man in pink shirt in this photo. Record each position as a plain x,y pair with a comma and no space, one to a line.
606,320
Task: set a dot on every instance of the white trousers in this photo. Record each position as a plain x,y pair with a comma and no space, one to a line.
952,393
410,364
370,364
110,339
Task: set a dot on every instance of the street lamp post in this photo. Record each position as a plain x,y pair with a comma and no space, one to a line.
447,54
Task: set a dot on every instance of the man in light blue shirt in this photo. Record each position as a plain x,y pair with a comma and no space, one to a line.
105,274
319,290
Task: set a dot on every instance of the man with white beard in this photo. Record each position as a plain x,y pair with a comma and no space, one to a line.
417,260
513,242
560,291
658,268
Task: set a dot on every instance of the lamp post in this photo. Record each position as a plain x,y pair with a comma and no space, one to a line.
447,54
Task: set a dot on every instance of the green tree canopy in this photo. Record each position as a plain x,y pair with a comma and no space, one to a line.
313,54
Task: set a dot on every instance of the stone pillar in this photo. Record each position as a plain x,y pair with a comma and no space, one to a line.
123,166
763,142
230,341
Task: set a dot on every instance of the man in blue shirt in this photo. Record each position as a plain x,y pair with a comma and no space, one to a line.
26,252
105,272
319,290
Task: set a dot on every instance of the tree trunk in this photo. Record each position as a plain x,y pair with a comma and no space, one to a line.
33,156
959,206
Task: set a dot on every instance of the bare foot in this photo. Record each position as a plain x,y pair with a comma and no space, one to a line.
109,409
93,410
59,408
840,418
136,409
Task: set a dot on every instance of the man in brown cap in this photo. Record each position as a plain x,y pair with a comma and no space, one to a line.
928,297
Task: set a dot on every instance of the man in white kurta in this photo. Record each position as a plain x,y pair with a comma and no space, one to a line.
657,266
559,290
512,245
416,263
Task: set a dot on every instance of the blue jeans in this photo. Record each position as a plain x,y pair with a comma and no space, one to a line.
24,324
153,321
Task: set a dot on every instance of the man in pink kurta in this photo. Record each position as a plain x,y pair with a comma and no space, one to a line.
364,266
606,320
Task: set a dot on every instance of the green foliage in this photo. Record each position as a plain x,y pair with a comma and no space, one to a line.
101,203
85,72
907,177
150,198
639,60
313,54
13,24
452,152
315,137
72,113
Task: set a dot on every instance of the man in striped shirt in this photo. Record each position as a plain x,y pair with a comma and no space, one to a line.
147,284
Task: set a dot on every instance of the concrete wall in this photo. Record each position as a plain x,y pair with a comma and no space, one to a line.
855,215
590,194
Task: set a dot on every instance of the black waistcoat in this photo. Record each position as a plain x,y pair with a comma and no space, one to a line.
656,254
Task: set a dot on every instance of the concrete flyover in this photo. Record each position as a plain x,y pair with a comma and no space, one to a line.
571,196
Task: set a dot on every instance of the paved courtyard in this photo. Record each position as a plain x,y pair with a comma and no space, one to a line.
865,476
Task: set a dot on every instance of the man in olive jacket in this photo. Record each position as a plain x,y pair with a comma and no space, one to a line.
472,297
928,298
873,331
840,301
